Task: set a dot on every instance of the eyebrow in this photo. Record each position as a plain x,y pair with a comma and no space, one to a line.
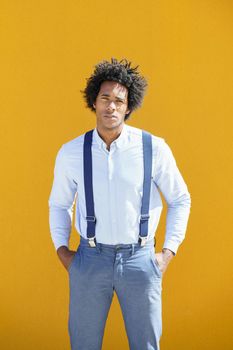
120,98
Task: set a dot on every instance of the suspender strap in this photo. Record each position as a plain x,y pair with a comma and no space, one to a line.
88,184
147,162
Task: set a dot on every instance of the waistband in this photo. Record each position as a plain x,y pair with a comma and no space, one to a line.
85,243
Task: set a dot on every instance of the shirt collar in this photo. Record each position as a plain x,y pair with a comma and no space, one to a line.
119,142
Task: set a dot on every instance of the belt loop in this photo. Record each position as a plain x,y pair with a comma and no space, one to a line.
132,249
98,247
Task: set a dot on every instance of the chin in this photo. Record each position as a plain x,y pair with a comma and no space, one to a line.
111,123
111,126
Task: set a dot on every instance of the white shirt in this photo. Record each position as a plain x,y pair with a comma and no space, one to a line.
117,190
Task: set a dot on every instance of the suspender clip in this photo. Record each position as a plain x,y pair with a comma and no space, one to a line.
142,240
92,242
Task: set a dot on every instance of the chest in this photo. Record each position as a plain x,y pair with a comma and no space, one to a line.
124,167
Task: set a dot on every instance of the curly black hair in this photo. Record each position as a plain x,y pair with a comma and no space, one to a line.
123,73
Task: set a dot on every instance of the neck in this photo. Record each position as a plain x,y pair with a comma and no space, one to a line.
109,135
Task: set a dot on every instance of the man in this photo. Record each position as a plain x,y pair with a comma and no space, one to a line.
115,176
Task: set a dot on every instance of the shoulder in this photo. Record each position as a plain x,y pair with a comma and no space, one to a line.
71,149
73,144
158,142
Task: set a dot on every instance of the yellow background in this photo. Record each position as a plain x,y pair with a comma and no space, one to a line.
48,49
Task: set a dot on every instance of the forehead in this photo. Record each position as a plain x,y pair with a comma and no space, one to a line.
113,88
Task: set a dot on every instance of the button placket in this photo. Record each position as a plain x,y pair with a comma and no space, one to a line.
112,194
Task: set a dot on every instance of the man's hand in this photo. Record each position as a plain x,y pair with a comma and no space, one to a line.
163,259
66,256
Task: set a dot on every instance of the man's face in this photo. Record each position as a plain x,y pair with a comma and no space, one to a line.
111,105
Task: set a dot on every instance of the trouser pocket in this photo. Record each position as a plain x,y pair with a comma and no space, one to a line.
73,259
155,263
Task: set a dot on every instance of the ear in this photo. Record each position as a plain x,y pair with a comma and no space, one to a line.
93,105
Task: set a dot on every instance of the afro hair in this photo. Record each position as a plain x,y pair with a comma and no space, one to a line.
121,72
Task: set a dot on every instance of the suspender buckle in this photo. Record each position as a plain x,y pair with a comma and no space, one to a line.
91,218
144,217
142,240
92,242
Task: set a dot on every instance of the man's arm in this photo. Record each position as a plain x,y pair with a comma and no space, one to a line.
171,183
61,201
65,255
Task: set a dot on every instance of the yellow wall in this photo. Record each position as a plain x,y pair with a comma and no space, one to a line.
48,49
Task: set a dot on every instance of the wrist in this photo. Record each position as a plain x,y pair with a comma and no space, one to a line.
166,250
167,254
63,251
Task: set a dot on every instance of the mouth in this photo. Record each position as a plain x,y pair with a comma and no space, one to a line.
110,116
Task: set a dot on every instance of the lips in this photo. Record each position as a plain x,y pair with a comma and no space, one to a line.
110,116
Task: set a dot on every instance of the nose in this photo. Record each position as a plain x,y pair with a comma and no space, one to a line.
111,105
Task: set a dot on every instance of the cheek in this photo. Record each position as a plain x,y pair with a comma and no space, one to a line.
99,108
123,110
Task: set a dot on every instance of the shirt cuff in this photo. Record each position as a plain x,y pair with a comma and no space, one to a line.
173,246
61,243
164,250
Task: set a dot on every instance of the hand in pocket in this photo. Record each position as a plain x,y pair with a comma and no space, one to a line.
66,256
70,259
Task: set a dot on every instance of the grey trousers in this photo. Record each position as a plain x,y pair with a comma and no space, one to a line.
132,272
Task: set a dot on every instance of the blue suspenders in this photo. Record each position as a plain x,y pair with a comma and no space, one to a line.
88,185
147,164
